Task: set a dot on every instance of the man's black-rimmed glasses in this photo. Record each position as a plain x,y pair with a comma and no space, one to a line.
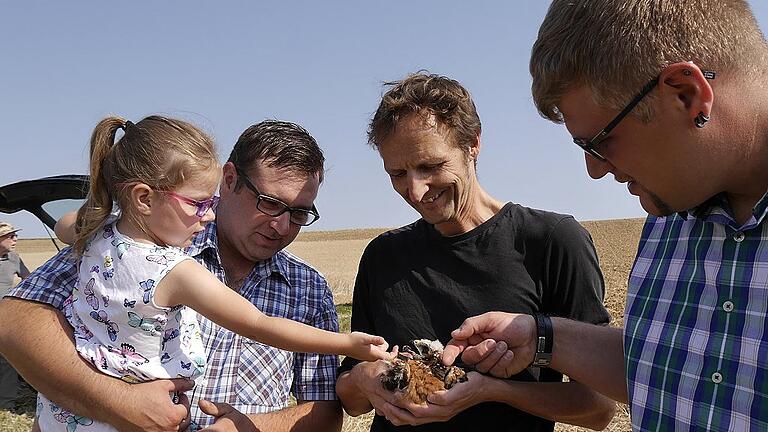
274,207
589,145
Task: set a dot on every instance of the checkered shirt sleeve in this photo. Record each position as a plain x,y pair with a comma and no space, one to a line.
52,282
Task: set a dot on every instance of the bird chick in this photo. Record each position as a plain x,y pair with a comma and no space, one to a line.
419,372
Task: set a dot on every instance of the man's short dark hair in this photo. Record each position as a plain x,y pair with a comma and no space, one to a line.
279,144
426,94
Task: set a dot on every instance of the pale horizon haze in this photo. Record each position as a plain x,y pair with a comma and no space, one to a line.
227,65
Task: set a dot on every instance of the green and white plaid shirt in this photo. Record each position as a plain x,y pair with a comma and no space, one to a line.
696,327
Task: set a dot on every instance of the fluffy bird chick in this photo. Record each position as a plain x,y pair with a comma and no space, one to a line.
419,373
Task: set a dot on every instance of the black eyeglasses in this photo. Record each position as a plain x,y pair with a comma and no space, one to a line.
274,207
591,145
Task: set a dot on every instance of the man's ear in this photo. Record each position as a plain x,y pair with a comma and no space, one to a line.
474,148
685,85
228,177
141,197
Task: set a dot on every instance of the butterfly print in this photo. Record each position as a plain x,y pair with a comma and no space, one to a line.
129,304
95,269
71,420
108,273
121,247
165,358
108,232
107,261
169,335
90,296
106,300
150,325
147,286
103,318
186,365
163,259
128,352
83,332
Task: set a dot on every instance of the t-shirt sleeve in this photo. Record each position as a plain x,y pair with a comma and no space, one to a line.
23,270
574,281
315,374
360,302
51,283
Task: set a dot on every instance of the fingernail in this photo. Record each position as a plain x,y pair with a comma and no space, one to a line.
501,346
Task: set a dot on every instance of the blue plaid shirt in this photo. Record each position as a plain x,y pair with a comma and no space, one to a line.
696,330
252,377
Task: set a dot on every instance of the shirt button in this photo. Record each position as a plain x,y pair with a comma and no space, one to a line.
738,237
717,378
728,306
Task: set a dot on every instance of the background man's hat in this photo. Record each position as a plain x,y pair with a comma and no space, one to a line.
6,228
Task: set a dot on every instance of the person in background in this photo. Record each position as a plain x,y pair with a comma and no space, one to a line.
11,266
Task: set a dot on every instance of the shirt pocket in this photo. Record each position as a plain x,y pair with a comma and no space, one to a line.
264,375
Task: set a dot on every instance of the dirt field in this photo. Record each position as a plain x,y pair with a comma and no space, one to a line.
336,255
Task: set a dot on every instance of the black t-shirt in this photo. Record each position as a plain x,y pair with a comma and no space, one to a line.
413,283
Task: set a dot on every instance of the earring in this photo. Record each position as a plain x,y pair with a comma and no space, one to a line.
700,120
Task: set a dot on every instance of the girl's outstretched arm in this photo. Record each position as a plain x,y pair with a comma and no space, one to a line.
192,285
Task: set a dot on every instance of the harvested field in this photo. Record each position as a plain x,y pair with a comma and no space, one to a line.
336,255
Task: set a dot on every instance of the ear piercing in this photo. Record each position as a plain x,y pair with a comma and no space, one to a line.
700,120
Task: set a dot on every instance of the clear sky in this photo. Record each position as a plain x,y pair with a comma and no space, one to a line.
227,65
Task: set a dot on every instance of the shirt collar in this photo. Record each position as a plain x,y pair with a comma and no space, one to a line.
717,208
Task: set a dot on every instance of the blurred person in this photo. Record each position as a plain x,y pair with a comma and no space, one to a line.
669,97
11,265
267,194
469,253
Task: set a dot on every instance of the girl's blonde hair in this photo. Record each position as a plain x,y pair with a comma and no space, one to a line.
158,151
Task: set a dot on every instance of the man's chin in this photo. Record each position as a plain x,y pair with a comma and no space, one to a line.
655,206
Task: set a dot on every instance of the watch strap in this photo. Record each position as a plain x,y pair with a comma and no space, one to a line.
544,340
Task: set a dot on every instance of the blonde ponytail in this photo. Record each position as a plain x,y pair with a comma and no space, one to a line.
98,203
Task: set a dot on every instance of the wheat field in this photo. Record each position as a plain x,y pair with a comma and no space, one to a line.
336,255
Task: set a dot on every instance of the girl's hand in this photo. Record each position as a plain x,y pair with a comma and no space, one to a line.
368,347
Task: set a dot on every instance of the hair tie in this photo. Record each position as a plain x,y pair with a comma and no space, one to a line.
126,125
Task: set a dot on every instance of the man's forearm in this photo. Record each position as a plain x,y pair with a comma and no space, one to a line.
354,401
44,354
592,355
322,416
565,402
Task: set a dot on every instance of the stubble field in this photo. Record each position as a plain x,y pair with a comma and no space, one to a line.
336,255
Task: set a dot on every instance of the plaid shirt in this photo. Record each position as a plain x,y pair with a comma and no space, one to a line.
252,377
696,331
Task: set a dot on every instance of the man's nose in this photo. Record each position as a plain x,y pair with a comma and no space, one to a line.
282,223
417,187
597,168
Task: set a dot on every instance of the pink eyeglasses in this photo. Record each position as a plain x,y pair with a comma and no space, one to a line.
201,207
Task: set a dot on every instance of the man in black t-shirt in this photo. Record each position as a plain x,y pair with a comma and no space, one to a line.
469,254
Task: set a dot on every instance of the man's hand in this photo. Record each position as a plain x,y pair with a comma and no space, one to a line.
443,405
477,338
148,407
367,378
227,418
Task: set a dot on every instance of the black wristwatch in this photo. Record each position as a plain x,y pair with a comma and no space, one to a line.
543,355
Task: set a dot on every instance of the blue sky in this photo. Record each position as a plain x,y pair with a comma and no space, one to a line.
227,65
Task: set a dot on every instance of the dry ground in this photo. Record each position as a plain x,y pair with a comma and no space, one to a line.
336,255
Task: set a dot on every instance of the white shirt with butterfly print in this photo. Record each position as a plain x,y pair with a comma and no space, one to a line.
117,325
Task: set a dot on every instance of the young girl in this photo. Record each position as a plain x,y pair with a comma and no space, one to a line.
128,310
